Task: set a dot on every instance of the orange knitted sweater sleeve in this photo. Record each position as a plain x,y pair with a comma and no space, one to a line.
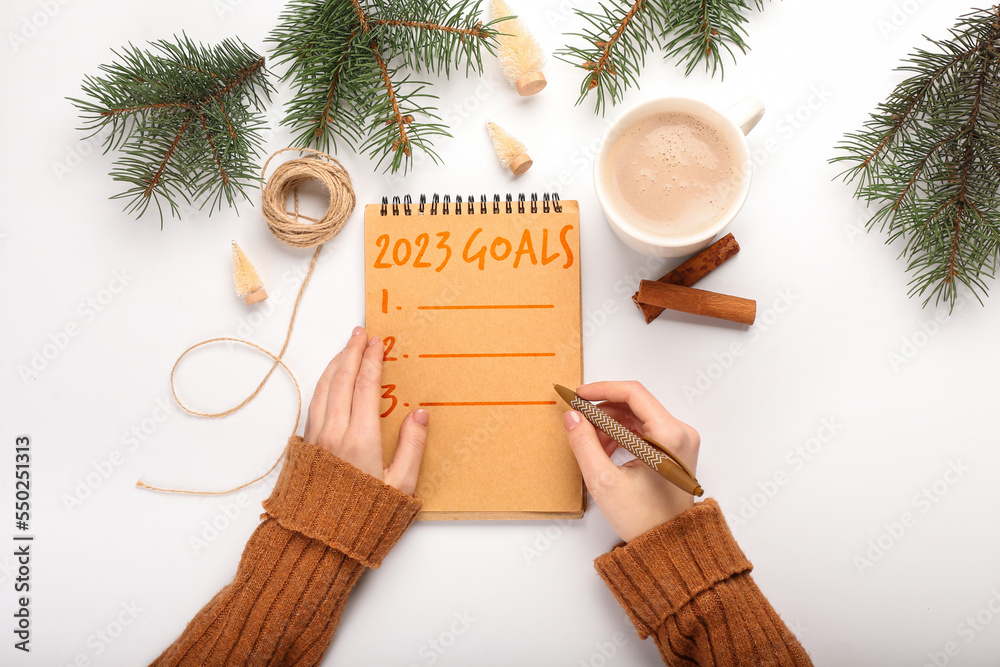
688,584
324,524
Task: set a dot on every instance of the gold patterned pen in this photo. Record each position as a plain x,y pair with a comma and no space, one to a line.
653,454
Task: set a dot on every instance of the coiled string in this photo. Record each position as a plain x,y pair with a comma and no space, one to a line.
288,227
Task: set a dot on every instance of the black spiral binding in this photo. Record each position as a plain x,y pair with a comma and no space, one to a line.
549,202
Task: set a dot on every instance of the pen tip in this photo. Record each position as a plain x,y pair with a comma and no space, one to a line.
564,393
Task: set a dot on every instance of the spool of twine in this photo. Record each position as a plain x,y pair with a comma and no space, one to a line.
285,182
288,227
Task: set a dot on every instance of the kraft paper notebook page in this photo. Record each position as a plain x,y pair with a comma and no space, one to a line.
478,303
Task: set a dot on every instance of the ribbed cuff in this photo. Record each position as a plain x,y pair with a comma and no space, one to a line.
330,500
662,570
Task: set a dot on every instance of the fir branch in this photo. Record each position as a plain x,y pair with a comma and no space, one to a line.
155,180
394,112
617,38
620,33
928,158
186,119
335,119
345,58
215,151
361,16
475,31
400,143
703,29
435,36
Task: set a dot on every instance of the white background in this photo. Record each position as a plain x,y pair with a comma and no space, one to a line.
850,349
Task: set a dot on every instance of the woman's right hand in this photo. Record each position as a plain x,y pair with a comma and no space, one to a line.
343,415
633,497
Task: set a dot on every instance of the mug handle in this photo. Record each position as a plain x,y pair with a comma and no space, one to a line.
746,113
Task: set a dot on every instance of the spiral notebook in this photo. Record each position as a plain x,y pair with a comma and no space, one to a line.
478,302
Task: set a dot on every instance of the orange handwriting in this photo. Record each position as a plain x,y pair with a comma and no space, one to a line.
531,249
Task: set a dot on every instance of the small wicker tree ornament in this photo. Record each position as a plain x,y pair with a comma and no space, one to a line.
520,56
248,284
510,150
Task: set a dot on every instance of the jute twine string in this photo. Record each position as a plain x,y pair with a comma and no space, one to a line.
287,227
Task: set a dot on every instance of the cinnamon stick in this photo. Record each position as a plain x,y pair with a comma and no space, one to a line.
693,270
697,302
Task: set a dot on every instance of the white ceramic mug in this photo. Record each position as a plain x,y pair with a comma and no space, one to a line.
733,126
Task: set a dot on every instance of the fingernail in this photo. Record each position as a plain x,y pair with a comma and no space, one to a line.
571,419
422,417
373,340
358,331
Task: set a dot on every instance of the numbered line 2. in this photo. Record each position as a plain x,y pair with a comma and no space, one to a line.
486,355
488,306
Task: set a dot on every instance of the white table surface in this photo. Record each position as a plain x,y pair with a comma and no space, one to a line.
899,395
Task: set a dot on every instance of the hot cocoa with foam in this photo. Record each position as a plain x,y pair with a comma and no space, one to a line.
672,174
